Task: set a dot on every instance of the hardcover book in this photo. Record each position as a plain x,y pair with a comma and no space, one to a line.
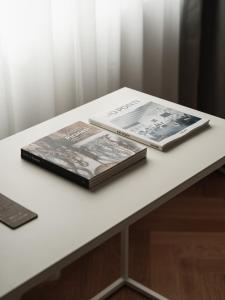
150,122
84,153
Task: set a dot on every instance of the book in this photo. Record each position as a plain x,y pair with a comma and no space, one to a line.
84,153
150,122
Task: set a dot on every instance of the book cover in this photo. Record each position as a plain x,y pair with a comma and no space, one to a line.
149,122
83,153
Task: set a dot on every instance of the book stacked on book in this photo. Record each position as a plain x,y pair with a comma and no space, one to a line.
84,153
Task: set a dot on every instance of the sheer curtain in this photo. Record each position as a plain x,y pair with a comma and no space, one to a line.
58,54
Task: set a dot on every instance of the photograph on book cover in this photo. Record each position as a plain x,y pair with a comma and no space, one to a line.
84,149
154,121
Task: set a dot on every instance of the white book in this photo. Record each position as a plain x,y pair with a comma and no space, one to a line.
150,122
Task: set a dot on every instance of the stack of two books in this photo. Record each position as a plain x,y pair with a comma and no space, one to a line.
89,155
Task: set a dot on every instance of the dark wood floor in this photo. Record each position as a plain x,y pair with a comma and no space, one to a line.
178,250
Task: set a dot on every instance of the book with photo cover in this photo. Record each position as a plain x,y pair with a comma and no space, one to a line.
150,122
84,153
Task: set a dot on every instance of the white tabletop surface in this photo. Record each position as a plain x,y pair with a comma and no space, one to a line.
71,219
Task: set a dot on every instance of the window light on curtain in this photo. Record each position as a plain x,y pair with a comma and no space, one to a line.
55,55
58,54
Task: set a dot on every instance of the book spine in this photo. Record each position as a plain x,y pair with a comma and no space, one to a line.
54,168
125,134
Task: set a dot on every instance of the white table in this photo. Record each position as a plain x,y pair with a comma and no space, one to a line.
72,220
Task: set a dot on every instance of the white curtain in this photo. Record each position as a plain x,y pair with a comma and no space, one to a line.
58,54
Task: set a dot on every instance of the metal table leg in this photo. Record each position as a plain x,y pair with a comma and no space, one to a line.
125,280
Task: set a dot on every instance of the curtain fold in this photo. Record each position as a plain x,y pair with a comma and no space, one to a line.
202,56
58,54
211,93
190,53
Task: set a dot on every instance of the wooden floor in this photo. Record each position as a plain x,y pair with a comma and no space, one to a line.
178,250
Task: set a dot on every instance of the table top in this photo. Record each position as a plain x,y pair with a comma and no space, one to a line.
73,220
